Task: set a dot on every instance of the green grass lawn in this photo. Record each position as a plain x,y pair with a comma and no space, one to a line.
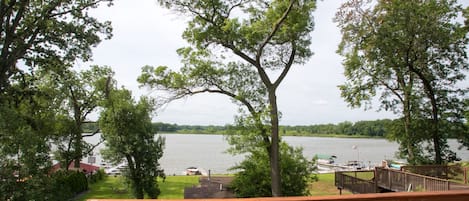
365,175
115,187
325,186
173,187
110,187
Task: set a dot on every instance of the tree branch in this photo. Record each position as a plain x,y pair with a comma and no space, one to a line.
287,66
274,31
92,134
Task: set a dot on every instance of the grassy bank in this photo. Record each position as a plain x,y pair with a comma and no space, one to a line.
325,186
173,187
115,187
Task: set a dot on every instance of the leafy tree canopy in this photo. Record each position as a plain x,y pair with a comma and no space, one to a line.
412,54
129,136
47,34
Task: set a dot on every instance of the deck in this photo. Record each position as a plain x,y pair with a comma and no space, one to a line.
390,180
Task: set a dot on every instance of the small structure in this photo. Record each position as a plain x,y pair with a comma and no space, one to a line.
210,187
86,168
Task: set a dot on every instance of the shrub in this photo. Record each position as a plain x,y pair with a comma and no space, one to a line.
254,178
97,176
66,184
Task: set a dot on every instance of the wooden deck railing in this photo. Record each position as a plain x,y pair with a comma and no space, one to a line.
402,196
404,181
452,172
349,181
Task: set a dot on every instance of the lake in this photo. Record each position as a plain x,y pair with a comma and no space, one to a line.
208,151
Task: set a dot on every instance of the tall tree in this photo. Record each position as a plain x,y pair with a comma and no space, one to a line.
129,136
413,52
39,33
27,124
81,93
37,38
263,37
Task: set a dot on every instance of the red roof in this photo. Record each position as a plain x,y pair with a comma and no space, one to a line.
83,166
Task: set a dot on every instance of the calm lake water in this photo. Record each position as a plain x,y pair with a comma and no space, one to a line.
208,151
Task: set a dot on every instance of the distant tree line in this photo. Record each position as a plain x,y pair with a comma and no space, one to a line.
369,128
375,128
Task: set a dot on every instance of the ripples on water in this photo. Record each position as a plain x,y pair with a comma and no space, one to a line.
208,151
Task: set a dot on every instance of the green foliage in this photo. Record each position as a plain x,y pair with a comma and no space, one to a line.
376,128
253,178
39,40
27,124
412,55
129,136
464,136
80,94
264,39
47,36
66,184
97,176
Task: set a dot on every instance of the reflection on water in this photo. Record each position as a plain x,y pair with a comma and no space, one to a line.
208,151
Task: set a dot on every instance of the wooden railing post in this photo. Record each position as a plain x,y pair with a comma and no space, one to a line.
405,180
389,180
465,175
425,184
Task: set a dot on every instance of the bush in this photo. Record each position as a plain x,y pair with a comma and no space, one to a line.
66,184
254,178
97,176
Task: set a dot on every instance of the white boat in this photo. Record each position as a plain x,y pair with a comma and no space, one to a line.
325,163
355,165
192,171
325,159
116,170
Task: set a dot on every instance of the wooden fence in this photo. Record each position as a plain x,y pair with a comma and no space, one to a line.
397,181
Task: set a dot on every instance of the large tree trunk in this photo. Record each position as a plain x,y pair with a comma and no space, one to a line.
135,175
436,131
78,150
410,139
274,155
435,119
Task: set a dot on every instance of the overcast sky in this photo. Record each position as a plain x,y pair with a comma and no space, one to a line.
145,34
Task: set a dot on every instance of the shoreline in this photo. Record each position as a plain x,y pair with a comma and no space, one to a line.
285,135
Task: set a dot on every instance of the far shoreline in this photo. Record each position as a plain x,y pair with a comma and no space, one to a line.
285,135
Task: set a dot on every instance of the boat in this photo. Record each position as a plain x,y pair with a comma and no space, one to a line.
325,163
325,159
355,165
192,171
116,170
